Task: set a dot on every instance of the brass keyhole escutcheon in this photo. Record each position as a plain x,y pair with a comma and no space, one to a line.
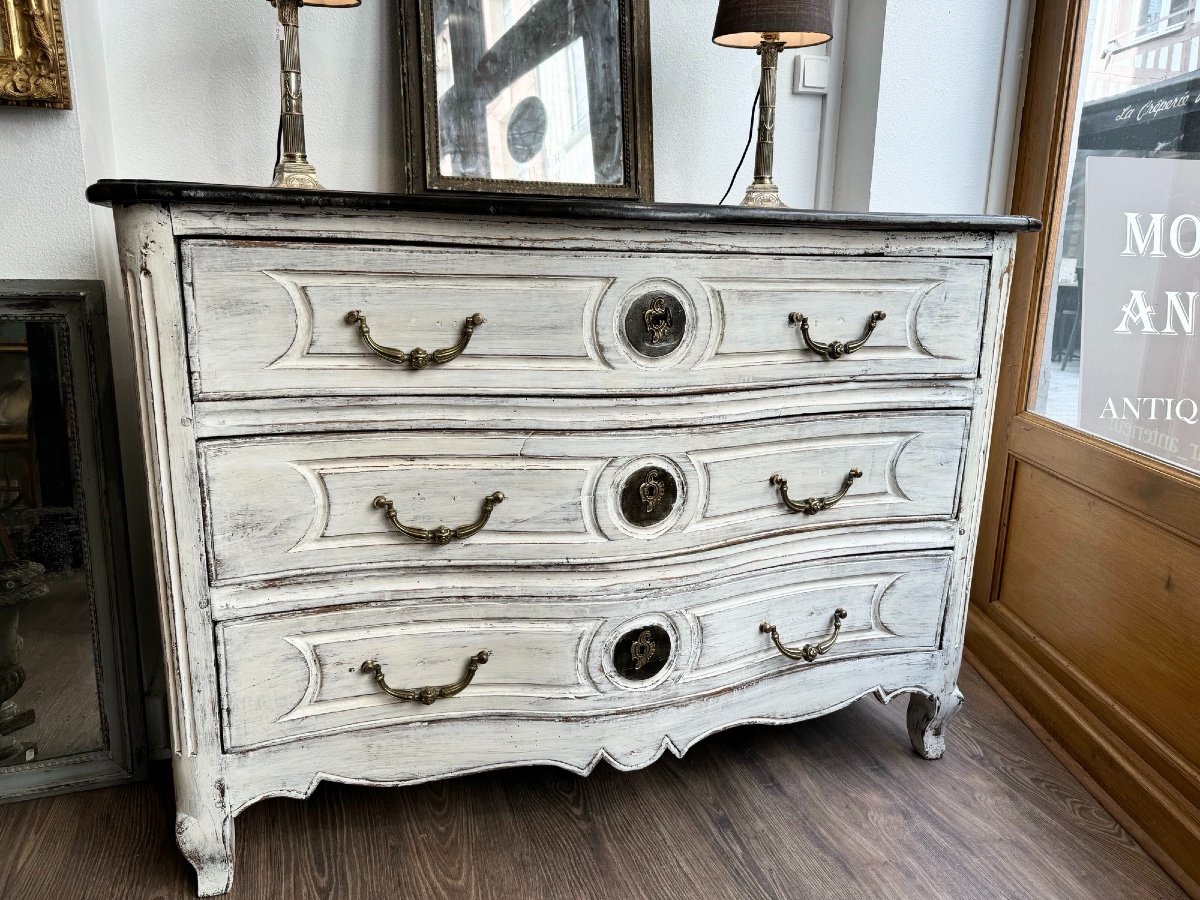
655,324
642,653
642,650
648,496
651,490
658,320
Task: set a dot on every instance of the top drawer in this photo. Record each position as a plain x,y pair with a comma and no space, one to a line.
271,320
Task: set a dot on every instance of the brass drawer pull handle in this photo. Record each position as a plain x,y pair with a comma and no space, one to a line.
418,358
428,695
441,535
836,349
809,652
814,505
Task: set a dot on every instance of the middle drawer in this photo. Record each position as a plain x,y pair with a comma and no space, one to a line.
300,506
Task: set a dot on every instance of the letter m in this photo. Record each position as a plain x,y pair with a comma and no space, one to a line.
1137,241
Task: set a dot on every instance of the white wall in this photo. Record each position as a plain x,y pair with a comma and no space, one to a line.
703,96
854,161
207,110
945,101
45,223
188,91
194,91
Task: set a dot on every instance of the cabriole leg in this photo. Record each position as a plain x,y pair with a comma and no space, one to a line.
927,718
207,842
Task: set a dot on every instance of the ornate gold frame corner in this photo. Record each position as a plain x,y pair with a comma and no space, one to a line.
33,55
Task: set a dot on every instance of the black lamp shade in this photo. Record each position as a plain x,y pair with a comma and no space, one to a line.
799,23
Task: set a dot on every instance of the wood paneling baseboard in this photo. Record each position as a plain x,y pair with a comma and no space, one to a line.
1158,816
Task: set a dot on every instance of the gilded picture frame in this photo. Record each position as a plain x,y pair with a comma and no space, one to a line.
33,55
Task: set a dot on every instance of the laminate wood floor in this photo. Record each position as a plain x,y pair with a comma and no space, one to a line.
835,808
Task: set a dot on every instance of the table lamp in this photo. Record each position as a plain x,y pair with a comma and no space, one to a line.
770,26
292,169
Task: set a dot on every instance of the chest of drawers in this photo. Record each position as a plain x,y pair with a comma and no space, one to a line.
437,489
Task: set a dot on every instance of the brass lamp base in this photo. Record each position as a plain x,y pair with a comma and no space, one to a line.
764,194
295,174
293,169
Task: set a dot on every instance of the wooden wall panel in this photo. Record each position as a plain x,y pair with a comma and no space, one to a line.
1114,594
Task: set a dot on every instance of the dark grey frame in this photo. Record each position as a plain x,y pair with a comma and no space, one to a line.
78,307
419,98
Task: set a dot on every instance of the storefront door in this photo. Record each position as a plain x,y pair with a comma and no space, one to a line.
1087,590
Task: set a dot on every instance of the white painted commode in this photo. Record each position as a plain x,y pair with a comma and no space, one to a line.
636,438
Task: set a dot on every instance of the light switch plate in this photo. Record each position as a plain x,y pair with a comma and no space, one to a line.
810,74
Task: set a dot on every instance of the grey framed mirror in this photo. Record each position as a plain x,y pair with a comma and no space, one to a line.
541,97
70,699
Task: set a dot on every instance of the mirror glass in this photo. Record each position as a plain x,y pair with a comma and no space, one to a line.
50,703
529,90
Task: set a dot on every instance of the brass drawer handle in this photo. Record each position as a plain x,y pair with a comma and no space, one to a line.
428,695
441,535
836,349
808,652
814,505
418,358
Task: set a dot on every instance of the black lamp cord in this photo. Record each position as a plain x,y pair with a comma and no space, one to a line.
749,141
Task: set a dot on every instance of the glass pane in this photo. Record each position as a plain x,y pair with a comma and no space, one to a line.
49,698
525,94
1122,356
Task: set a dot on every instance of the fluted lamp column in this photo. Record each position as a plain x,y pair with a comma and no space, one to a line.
770,26
293,169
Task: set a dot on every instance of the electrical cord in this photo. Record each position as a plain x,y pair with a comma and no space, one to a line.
749,141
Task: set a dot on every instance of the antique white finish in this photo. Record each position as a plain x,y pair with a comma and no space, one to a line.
270,428
303,505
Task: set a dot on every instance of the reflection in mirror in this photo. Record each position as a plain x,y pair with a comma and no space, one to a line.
49,700
529,90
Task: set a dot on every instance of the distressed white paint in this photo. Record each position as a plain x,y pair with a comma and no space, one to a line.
298,676
272,322
728,558
301,506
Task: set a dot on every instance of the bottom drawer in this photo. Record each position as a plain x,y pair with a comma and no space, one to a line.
295,676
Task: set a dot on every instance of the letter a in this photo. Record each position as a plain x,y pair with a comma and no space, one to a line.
1137,310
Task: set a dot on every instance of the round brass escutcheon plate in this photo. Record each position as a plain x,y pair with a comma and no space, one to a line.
655,324
648,496
641,654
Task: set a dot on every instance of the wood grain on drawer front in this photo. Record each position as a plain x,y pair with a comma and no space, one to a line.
297,506
269,321
293,676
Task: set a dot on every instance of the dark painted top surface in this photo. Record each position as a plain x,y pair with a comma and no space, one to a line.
121,193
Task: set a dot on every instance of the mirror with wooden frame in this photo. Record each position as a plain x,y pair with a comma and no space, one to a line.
542,97
70,699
